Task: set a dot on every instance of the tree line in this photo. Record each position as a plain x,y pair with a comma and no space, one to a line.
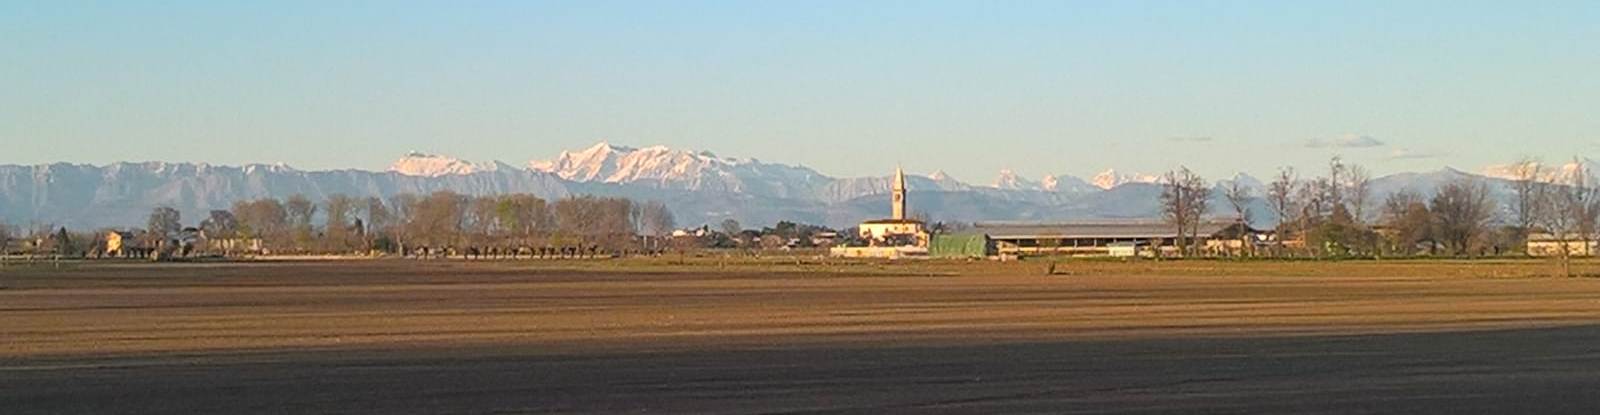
440,220
1335,214
439,223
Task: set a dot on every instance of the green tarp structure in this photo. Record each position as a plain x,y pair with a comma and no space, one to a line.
961,245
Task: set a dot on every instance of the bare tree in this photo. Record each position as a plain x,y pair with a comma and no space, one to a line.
378,216
483,217
523,214
1280,194
1561,209
1238,196
1462,212
379,222
656,219
1586,203
1199,203
1312,198
636,218
403,208
338,223
1527,174
576,216
300,210
5,241
220,224
265,218
596,220
1333,189
164,223
1358,194
1185,198
1173,204
1406,214
1567,212
438,219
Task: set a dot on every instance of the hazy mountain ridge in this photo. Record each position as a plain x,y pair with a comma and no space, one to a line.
422,164
699,186
659,166
122,194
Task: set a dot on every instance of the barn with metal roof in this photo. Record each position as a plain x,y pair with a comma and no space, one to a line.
1098,238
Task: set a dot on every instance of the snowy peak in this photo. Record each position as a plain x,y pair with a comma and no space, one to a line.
1245,181
663,167
606,163
429,165
1563,173
1111,178
268,168
597,161
1009,180
1066,184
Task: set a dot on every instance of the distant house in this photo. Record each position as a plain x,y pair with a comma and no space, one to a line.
123,244
1125,249
233,246
886,231
1547,245
824,238
692,232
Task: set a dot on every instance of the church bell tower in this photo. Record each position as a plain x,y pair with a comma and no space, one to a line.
899,196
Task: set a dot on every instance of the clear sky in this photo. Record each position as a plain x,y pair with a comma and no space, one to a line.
850,88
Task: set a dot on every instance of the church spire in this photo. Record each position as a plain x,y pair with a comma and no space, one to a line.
899,196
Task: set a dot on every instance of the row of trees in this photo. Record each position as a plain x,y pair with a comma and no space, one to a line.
1563,204
434,223
45,240
438,220
1335,214
405,223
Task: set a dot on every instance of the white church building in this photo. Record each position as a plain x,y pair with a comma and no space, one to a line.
896,237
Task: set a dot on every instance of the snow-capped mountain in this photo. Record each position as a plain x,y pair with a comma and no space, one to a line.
700,187
1111,178
1255,185
121,194
1067,184
1009,180
1049,183
944,182
429,165
1563,173
659,166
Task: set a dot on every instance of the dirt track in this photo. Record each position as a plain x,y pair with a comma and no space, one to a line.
387,337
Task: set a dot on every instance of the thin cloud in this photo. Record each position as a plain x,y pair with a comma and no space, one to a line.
1345,141
1409,154
1190,139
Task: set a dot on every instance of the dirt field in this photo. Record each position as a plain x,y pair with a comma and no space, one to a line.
797,336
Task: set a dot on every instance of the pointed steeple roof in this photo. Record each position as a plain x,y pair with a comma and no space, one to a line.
899,178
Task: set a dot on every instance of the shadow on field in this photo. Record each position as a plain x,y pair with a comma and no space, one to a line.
1523,371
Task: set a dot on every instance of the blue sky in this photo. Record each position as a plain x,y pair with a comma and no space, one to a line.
850,88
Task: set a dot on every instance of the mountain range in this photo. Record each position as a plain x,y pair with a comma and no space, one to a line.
700,187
